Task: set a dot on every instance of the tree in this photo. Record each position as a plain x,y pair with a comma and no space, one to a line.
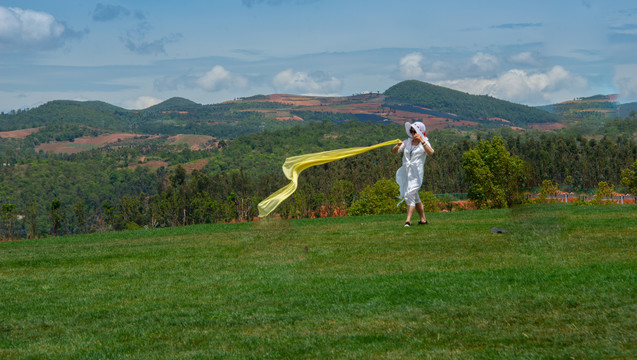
629,178
108,214
179,177
80,214
341,195
549,188
31,218
8,218
604,190
56,216
494,173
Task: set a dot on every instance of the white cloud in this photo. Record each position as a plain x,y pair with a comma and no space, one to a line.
27,29
484,62
410,66
219,78
524,58
521,86
625,81
141,102
304,83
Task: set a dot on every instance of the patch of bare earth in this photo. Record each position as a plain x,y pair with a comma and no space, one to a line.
289,118
194,142
149,164
547,126
195,165
18,134
84,143
371,103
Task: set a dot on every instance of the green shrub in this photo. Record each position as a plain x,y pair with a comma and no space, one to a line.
381,198
429,201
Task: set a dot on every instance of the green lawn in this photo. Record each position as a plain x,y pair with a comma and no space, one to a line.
560,283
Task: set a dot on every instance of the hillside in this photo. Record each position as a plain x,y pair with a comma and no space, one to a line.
465,106
89,113
174,104
598,105
407,101
625,110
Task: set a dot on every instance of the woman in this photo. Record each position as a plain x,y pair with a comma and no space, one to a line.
409,176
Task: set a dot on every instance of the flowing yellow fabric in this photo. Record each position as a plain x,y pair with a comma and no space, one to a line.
295,164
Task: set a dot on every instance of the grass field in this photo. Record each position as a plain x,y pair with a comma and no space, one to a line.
560,283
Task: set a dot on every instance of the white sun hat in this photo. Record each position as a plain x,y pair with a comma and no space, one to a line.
418,126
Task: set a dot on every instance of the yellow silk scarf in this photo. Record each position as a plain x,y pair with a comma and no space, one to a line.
295,164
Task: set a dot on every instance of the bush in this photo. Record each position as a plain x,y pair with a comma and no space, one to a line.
429,201
381,198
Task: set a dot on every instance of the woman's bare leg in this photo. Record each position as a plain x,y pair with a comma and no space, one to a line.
421,212
410,212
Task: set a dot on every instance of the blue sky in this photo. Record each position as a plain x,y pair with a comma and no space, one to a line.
137,53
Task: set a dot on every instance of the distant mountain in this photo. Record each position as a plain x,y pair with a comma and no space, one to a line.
465,106
625,110
174,104
89,113
99,105
437,106
604,105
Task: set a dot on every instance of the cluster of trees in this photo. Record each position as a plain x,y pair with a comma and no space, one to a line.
494,174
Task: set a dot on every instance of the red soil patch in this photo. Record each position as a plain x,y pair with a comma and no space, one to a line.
84,143
105,139
295,100
547,126
289,118
194,142
499,119
152,164
195,165
18,134
371,103
60,148
301,100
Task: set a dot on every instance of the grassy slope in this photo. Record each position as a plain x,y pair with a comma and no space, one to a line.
559,283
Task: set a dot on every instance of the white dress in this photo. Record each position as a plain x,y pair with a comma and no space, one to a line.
409,176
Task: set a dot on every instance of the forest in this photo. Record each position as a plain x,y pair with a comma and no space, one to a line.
46,194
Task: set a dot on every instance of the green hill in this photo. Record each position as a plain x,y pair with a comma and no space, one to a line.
625,110
102,106
604,106
92,113
559,283
252,114
174,104
466,106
